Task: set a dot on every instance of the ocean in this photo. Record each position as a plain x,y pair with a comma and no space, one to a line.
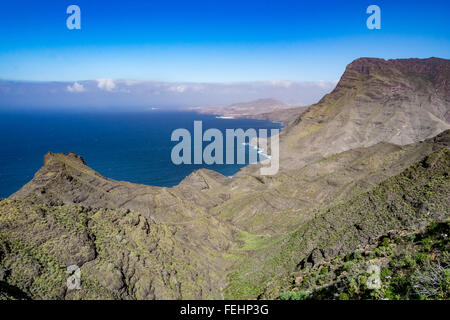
134,146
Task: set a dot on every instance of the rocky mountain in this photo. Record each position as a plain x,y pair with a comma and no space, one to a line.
376,100
370,160
406,202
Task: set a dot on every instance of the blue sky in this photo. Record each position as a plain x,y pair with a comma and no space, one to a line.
213,40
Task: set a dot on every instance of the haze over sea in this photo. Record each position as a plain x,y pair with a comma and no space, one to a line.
134,147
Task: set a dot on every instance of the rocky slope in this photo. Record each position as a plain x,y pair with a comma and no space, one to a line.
175,218
370,158
405,202
262,109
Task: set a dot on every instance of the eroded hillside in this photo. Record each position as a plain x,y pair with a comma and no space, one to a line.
370,158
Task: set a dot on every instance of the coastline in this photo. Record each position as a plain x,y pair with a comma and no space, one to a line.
110,161
283,116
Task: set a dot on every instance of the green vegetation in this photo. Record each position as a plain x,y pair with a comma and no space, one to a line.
117,251
416,196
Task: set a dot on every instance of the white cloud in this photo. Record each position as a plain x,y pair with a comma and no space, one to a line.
323,84
130,83
198,87
280,83
180,88
106,84
76,87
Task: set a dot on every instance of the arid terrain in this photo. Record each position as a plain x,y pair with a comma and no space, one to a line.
262,109
363,180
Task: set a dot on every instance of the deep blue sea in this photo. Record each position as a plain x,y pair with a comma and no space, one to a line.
134,147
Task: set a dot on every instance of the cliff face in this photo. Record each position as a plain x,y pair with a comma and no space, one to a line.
352,168
395,101
262,109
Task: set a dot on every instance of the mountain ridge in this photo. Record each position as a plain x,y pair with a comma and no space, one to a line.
375,100
348,160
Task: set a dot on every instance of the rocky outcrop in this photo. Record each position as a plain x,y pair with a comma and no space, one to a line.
165,234
66,179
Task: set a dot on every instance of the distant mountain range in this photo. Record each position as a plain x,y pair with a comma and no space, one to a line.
363,181
261,109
